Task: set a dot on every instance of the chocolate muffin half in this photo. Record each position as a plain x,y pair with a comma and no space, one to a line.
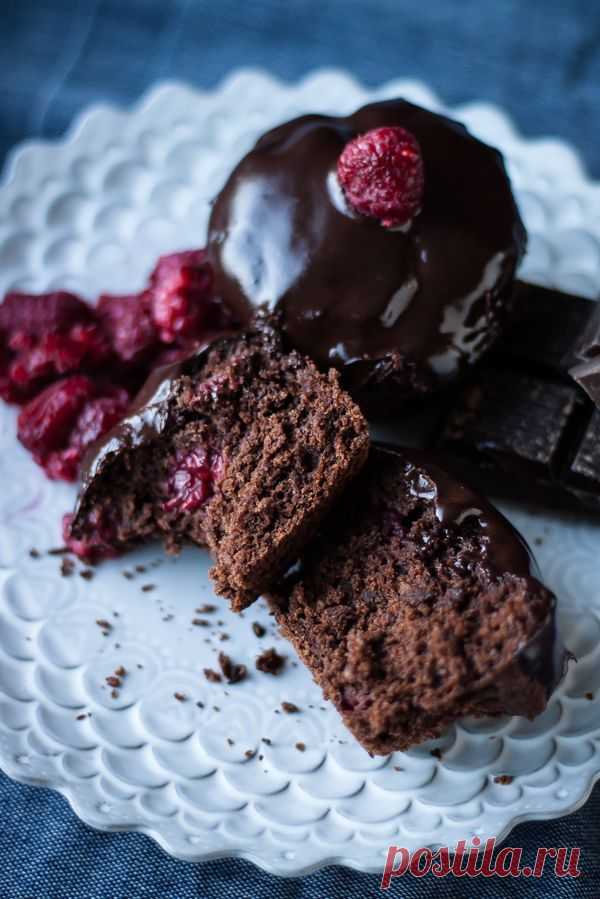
241,448
416,605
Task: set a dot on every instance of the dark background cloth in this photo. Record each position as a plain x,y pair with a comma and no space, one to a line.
540,60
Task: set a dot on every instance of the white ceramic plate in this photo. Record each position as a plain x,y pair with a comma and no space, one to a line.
92,213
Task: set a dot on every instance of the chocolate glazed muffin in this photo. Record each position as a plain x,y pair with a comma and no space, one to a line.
399,305
418,603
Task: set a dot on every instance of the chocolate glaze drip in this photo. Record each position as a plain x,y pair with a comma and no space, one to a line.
411,305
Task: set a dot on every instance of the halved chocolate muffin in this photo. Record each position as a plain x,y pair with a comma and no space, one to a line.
416,604
241,448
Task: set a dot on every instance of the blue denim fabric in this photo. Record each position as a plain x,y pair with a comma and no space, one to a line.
541,60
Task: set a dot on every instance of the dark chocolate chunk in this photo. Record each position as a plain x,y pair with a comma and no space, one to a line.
582,476
547,330
589,345
587,375
512,422
522,425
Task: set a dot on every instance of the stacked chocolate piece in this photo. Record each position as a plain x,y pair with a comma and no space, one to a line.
522,422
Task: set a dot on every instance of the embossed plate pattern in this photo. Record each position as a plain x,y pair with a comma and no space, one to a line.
91,213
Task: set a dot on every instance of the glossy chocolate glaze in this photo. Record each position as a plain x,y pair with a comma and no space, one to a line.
456,504
147,418
544,658
413,304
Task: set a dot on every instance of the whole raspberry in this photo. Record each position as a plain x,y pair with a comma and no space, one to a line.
45,423
98,416
60,423
95,419
127,322
53,354
180,295
381,174
38,314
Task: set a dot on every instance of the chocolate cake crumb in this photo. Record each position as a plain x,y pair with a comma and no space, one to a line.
270,662
67,567
113,681
250,753
140,569
87,574
105,625
301,747
114,694
289,708
232,672
58,551
504,779
258,629
213,676
200,622
81,717
180,697
120,671
146,588
34,553
128,574
206,609
223,637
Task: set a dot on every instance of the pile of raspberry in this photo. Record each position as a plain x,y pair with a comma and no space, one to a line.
73,368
